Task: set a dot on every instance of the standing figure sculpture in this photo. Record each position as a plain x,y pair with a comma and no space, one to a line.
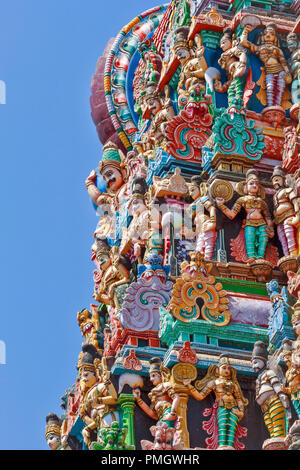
234,61
258,223
164,400
291,356
99,397
270,394
222,381
276,75
286,212
203,212
193,63
293,45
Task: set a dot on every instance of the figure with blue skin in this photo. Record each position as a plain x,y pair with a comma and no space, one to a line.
258,223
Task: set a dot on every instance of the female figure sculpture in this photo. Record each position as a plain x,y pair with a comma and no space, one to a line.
276,74
164,400
221,379
258,223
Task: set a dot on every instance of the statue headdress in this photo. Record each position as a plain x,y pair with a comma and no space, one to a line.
260,351
111,156
87,357
53,424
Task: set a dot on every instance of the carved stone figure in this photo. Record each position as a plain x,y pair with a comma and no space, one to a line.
258,223
89,326
56,436
164,401
269,393
286,212
112,168
145,221
276,75
222,381
193,63
160,111
234,61
293,45
114,271
99,397
291,356
293,438
203,212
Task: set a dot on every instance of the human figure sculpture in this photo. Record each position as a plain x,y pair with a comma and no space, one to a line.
258,223
203,211
291,356
286,212
234,61
145,220
114,270
56,433
293,45
193,63
113,169
221,379
89,324
270,395
160,111
99,397
164,400
276,74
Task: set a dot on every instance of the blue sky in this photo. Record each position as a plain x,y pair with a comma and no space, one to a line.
48,145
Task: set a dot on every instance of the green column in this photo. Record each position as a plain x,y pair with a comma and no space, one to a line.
127,404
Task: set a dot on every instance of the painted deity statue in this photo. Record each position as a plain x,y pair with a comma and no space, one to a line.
270,395
221,379
160,111
258,223
234,61
203,212
145,222
114,271
113,170
193,63
291,357
99,397
276,75
164,400
286,212
89,324
56,436
293,45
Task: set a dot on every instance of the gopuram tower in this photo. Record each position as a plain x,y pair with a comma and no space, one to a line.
191,338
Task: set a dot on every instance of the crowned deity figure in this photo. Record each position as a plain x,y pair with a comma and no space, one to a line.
258,223
293,45
276,74
113,269
234,61
56,435
145,221
112,167
99,398
286,212
221,379
193,63
157,108
203,211
291,357
164,400
270,395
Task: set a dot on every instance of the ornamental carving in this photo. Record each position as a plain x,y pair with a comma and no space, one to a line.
196,294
